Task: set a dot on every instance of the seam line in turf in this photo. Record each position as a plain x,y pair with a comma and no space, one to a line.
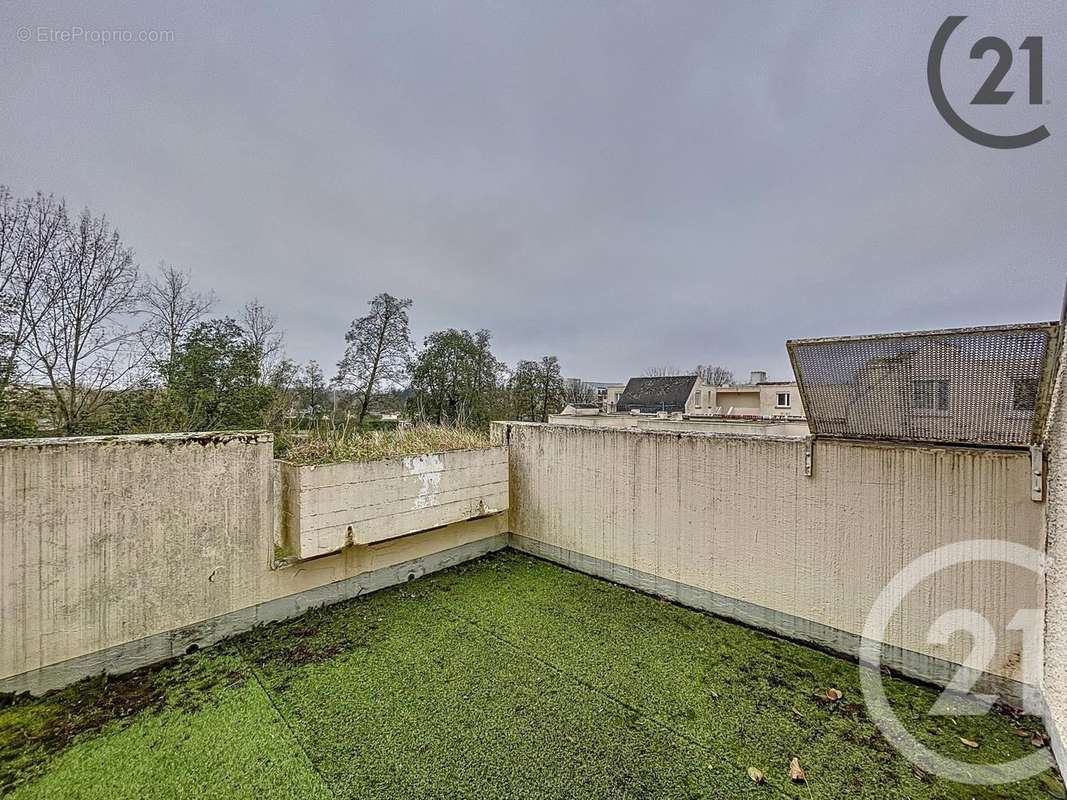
288,726
618,701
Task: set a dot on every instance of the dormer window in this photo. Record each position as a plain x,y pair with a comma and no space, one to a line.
930,395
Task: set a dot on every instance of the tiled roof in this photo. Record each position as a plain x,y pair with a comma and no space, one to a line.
669,393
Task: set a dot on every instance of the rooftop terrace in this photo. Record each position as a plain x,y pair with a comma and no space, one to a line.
503,677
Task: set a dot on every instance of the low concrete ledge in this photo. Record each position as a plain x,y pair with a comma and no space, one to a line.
917,666
152,649
327,507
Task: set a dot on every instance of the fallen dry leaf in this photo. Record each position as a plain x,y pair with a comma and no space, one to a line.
1038,740
969,743
796,774
833,695
755,775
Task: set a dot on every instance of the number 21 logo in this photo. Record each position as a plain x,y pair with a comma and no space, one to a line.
989,93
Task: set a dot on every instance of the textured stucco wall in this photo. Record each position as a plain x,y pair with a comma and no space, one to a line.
108,540
1056,565
737,516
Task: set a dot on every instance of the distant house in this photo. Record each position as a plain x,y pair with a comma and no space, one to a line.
580,409
604,394
689,395
757,398
945,390
669,394
610,398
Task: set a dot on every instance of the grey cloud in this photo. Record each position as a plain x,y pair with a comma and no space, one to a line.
620,184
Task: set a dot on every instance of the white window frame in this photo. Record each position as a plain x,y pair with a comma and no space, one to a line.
931,396
778,400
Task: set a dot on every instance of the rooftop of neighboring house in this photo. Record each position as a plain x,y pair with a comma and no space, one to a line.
756,379
668,393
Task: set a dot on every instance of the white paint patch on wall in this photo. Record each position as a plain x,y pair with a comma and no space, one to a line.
428,468
330,506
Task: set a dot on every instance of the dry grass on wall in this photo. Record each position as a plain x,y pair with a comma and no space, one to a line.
331,445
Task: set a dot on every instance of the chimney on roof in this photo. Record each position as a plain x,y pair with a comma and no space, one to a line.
758,376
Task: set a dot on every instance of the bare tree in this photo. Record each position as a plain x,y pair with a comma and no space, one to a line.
84,342
575,390
379,349
715,374
663,372
263,333
30,230
171,308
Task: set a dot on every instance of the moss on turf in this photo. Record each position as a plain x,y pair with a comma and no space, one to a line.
34,730
506,677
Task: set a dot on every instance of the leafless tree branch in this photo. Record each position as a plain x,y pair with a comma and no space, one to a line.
171,308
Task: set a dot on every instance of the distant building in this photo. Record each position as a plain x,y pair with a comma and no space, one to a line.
612,393
757,398
580,409
689,395
942,390
672,394
605,395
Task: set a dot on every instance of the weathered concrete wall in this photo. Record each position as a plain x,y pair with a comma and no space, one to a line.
736,517
107,542
650,423
1055,676
328,506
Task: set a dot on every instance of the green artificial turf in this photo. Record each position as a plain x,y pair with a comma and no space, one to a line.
507,677
201,727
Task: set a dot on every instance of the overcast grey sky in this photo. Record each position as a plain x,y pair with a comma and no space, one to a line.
621,184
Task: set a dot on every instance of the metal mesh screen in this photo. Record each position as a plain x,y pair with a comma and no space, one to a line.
974,386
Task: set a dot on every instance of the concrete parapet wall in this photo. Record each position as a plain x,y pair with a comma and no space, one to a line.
691,425
119,547
736,516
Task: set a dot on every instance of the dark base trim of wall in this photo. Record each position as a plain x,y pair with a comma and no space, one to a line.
159,647
918,666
